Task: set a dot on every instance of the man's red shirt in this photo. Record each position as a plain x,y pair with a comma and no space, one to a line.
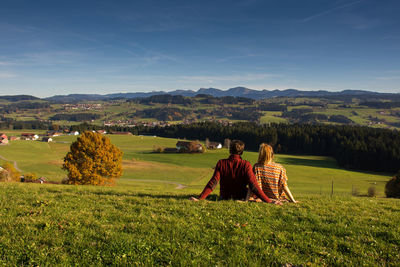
235,174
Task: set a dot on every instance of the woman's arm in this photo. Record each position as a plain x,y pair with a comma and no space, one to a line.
289,194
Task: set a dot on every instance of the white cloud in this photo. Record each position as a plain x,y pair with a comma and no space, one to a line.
323,13
225,59
229,78
7,75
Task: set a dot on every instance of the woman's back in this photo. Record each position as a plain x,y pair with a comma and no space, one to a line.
272,179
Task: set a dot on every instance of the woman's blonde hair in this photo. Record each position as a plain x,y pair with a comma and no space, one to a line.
265,154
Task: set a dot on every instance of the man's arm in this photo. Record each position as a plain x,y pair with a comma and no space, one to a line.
212,183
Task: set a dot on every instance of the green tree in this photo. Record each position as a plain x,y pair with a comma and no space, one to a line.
30,176
93,160
392,188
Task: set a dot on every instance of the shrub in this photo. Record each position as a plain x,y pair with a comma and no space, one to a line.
354,191
93,160
372,191
158,149
392,188
30,176
65,180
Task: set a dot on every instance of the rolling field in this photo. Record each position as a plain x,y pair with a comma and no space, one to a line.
146,219
307,174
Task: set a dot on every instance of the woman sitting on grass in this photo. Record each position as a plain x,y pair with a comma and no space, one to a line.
271,176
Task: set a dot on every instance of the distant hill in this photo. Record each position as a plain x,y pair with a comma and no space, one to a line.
236,91
75,98
15,98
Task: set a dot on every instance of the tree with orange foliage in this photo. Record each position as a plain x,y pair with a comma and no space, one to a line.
9,173
93,160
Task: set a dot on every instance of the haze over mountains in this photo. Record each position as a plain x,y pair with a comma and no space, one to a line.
236,92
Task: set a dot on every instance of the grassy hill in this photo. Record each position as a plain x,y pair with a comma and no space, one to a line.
147,219
157,225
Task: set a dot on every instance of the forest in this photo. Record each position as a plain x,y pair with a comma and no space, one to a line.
75,117
353,147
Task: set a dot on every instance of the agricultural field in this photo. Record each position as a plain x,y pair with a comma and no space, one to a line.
308,174
147,217
380,113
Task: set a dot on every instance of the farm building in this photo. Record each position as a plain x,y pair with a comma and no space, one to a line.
214,145
53,133
3,139
47,139
29,136
189,147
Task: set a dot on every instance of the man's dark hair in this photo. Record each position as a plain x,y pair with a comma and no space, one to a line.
236,147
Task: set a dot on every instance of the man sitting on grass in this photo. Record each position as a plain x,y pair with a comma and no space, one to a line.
235,174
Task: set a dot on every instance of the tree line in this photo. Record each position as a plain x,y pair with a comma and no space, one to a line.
353,147
187,101
75,116
23,105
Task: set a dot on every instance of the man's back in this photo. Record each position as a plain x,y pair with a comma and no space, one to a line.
235,174
233,177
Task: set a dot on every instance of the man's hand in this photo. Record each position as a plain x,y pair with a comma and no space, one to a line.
193,199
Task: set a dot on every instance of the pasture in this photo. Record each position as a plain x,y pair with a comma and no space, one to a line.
147,219
307,174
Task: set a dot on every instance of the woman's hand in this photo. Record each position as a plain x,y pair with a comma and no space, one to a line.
276,202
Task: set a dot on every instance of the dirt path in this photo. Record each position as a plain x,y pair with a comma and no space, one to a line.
178,185
15,163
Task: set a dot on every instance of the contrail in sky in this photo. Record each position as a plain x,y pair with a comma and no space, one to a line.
331,10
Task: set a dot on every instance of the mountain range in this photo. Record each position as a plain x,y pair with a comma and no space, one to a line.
236,92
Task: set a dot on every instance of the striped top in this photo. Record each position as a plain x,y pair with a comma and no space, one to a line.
272,179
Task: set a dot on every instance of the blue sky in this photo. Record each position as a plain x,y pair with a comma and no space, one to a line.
63,47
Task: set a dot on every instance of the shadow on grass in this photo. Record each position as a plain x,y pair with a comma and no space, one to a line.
326,163
156,196
321,163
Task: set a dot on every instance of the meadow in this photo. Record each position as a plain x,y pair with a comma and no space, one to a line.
147,219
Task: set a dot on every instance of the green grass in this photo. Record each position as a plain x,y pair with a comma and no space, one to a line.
307,174
83,225
41,158
272,117
362,117
146,220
